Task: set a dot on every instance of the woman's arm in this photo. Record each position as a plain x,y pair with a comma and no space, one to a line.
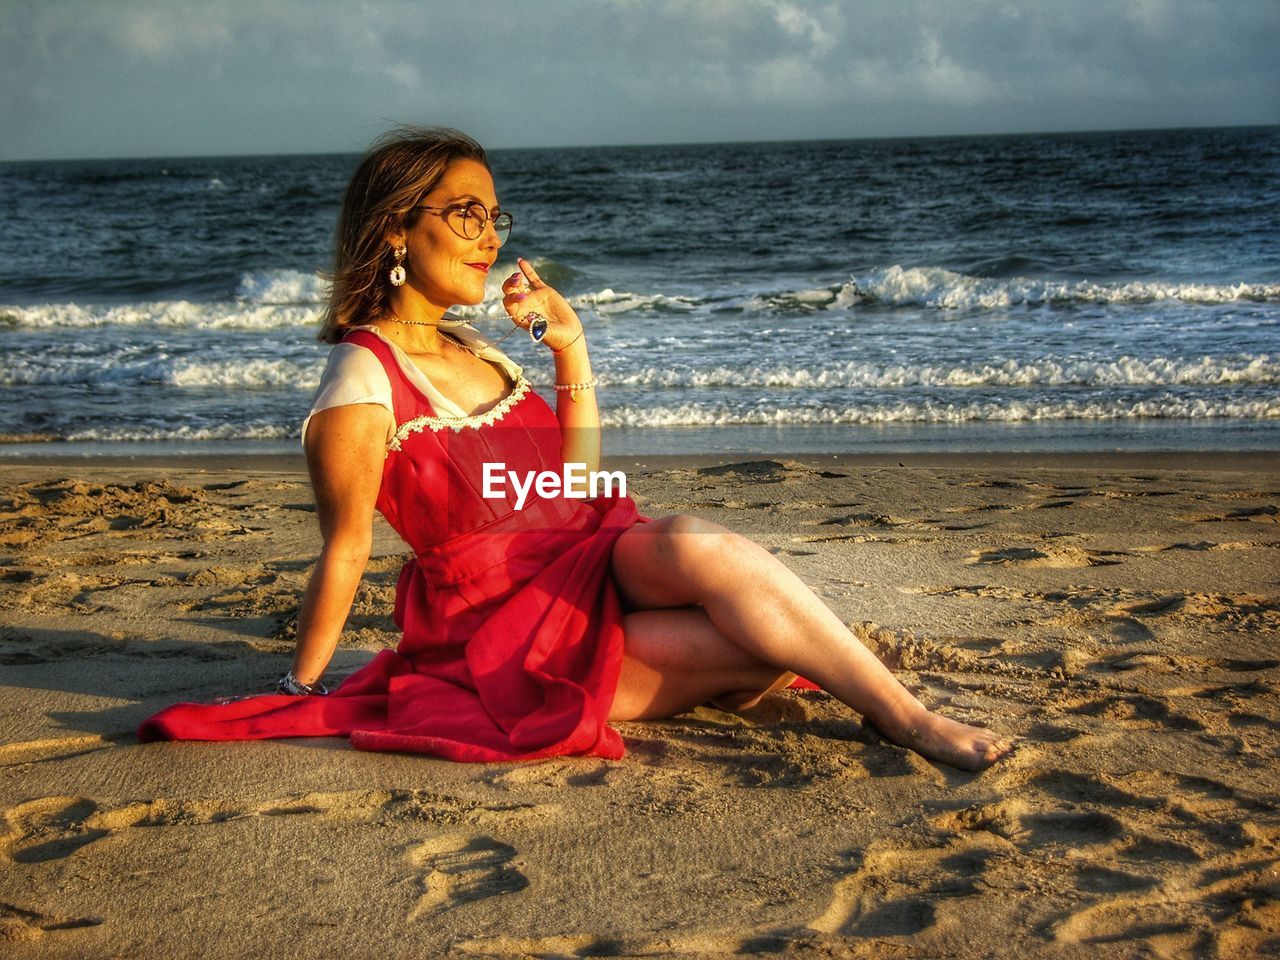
345,449
580,418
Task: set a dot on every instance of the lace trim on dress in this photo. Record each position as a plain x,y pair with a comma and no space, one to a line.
456,424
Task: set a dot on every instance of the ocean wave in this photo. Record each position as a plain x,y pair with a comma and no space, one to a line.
692,415
288,298
1163,408
283,288
1123,371
162,313
932,287
944,289
226,431
176,372
609,301
247,373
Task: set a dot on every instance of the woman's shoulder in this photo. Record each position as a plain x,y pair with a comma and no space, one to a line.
353,374
353,355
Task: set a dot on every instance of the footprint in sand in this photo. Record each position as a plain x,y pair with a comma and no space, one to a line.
19,924
1181,864
891,891
551,775
1034,829
1063,557
51,748
1199,546
877,520
459,869
66,592
792,552
1133,710
1216,606
1268,513
1226,908
51,828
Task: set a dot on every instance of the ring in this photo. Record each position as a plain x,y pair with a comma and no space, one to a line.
537,326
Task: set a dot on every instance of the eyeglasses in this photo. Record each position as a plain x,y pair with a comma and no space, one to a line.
468,220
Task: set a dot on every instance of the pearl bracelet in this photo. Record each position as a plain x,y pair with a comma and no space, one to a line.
573,388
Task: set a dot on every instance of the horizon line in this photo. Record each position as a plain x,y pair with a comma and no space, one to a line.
668,144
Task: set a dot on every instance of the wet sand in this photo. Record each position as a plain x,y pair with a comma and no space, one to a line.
1120,614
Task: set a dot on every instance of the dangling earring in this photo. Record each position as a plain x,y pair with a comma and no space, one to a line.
396,276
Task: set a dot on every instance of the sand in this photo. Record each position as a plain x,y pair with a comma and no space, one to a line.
1119,614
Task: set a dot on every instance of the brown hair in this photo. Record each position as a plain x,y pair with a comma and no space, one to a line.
400,168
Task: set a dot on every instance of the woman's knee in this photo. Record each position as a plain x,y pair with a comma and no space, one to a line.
667,562
686,548
688,539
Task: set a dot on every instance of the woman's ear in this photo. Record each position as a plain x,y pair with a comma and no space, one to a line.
395,238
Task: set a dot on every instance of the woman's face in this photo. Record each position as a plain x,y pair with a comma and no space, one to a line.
443,267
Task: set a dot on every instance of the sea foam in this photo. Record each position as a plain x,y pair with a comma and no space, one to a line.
1123,371
1164,407
947,290
221,315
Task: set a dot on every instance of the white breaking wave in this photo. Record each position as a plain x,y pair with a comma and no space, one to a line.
690,415
693,415
247,373
283,288
163,313
944,289
606,302
1039,372
609,301
289,298
227,431
175,372
1123,371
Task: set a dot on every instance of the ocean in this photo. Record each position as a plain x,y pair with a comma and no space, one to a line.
1094,291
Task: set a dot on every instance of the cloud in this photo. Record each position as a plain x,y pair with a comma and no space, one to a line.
163,32
940,78
822,27
82,77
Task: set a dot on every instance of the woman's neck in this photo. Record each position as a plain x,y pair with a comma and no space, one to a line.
412,323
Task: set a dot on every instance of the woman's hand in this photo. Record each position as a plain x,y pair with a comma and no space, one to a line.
524,293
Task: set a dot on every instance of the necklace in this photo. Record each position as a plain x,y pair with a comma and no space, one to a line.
450,322
442,322
514,327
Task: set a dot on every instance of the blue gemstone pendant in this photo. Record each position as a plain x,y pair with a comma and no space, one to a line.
538,330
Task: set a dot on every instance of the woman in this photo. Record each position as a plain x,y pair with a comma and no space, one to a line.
527,626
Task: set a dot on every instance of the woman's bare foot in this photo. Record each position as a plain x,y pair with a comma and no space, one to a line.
949,741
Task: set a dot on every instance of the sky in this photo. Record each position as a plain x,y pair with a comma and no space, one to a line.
136,78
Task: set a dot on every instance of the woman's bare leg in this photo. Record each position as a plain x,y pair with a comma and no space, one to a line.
766,611
676,660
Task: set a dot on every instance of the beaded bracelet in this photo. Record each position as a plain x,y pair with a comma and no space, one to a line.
573,388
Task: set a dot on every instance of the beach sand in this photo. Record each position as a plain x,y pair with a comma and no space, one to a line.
1120,614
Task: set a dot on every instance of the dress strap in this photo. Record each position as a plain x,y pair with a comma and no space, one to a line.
407,402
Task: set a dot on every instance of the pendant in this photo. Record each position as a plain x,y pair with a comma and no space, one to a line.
538,329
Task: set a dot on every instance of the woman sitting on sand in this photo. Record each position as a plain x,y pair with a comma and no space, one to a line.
529,622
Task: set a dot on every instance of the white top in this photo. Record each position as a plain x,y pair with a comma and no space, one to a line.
355,375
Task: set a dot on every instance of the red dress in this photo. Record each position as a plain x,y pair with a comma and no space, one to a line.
512,626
